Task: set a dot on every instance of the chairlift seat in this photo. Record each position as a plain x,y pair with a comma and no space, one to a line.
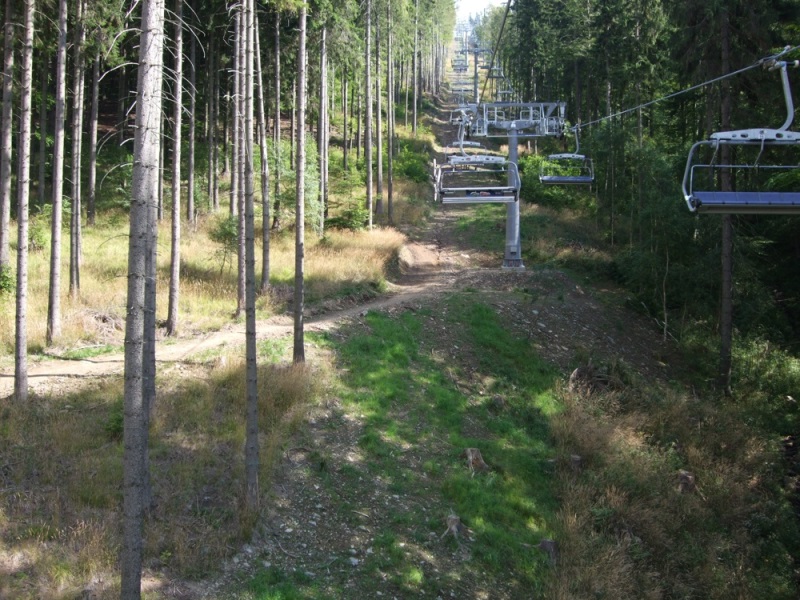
566,179
479,196
716,202
475,159
756,136
572,162
466,144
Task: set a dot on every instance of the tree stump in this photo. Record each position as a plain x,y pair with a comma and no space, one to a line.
475,461
550,547
454,526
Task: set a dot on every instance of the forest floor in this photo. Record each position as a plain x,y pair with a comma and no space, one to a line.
305,530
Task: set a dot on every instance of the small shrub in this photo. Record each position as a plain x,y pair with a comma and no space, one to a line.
38,234
412,165
225,232
114,422
353,218
7,280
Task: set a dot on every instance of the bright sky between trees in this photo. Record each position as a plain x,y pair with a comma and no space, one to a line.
465,8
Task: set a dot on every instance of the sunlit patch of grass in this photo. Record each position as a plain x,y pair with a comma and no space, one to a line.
388,375
340,264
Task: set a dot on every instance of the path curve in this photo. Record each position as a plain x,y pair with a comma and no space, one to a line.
423,272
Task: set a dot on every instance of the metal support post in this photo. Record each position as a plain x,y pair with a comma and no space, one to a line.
475,80
513,256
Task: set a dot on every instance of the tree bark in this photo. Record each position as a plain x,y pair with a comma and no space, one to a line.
23,193
6,126
379,124
75,233
175,247
251,443
345,119
276,207
322,126
235,125
43,106
262,143
190,182
54,297
144,196
415,67
299,285
239,163
93,116
368,110
389,114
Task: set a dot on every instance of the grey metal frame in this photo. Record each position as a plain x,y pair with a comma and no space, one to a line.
745,202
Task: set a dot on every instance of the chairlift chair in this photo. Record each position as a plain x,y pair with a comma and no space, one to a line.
567,168
701,179
476,180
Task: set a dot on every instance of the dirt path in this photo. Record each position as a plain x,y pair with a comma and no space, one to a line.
426,268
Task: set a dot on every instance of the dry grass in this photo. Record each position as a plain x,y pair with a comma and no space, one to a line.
60,482
627,531
339,264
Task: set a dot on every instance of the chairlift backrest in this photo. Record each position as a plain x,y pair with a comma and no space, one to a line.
708,199
567,168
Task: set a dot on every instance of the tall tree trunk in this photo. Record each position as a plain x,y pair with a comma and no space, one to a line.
162,160
43,107
251,443
368,109
93,116
144,197
408,87
122,103
75,233
262,143
379,125
329,108
239,165
358,129
726,298
389,113
299,284
6,126
276,206
212,122
415,69
23,192
293,125
175,247
322,143
235,125
190,182
54,297
345,119
215,124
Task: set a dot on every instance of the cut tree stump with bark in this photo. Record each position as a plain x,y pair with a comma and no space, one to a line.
455,526
475,461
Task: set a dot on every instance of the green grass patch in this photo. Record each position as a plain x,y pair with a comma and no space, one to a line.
400,381
90,351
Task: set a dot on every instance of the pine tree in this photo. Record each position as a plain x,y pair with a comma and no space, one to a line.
299,284
23,193
6,122
144,197
54,302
